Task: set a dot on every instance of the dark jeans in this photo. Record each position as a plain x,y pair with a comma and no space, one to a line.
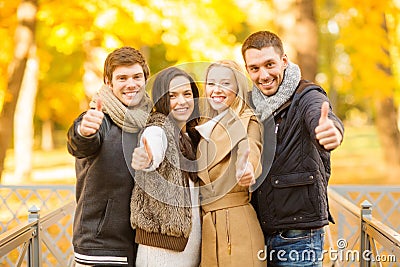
296,248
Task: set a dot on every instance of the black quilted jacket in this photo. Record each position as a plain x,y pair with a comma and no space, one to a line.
296,169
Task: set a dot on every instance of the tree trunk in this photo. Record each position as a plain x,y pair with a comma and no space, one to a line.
298,29
306,41
330,55
24,38
23,119
386,123
386,118
47,135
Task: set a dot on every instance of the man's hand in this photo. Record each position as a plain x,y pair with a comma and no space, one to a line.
326,132
245,171
142,156
91,121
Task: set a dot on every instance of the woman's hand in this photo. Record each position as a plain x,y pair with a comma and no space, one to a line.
245,171
142,157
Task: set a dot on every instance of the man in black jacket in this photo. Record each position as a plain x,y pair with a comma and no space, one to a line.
102,141
300,130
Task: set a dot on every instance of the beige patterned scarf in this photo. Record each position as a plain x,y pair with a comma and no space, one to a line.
129,119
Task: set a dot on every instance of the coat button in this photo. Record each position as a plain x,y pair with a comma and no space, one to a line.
294,219
311,177
276,181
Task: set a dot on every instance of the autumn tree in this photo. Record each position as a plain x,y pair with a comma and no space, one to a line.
71,46
369,36
24,38
298,29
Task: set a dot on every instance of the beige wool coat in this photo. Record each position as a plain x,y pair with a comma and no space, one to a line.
231,233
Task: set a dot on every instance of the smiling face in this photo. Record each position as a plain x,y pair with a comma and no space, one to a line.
266,68
221,87
181,99
127,84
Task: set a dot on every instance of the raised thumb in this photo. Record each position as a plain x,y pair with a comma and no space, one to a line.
241,164
324,112
99,105
147,148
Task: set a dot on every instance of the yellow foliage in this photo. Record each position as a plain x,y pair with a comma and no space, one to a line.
188,31
8,22
368,45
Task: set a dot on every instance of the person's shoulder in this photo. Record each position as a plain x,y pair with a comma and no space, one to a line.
247,112
306,85
159,119
307,88
156,117
248,116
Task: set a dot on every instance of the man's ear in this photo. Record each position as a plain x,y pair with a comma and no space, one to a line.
108,83
285,60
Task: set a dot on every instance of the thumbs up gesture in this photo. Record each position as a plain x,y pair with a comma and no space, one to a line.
91,121
326,132
245,170
142,156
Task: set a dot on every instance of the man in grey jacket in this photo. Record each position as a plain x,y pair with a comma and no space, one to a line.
102,140
300,130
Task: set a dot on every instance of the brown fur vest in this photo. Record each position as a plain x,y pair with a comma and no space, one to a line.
160,204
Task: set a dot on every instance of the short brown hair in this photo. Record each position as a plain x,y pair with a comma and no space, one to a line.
261,39
124,56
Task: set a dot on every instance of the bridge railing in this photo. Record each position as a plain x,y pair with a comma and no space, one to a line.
366,234
27,240
36,237
361,238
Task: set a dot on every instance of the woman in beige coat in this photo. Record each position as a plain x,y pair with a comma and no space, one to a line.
229,161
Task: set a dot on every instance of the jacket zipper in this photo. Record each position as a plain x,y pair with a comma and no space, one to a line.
276,128
227,233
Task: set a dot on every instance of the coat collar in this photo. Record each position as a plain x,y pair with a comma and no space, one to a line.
206,128
225,134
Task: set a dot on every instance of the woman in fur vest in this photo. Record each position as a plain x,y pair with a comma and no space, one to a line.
164,205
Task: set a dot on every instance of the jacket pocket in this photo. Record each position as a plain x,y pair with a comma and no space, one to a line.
104,219
296,197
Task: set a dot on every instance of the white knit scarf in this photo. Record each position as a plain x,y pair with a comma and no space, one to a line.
266,105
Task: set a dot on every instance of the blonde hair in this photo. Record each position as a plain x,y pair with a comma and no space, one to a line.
243,85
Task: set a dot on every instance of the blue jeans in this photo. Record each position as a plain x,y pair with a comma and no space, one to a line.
295,248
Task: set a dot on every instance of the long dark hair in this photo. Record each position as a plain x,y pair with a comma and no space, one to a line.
160,95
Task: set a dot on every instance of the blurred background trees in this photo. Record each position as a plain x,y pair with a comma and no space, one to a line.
52,55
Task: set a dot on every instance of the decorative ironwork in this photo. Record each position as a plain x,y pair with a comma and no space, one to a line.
36,239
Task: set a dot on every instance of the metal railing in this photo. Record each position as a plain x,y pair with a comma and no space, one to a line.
53,240
362,240
16,200
385,200
27,239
